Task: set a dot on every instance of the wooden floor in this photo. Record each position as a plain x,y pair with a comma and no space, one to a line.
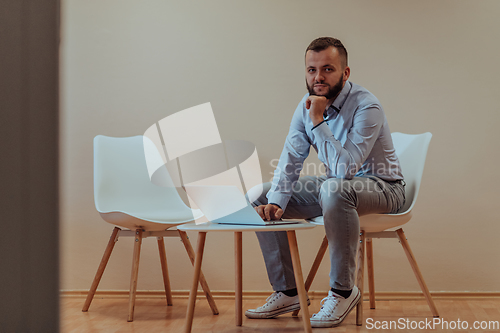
152,315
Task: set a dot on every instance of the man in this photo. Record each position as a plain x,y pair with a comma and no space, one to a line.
347,127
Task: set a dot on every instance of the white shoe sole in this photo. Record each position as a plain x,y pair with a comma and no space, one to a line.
272,314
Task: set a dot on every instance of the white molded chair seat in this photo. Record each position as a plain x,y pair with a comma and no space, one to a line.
124,194
375,222
411,151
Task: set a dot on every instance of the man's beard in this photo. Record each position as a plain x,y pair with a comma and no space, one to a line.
332,92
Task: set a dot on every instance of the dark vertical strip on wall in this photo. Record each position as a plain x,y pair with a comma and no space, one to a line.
29,105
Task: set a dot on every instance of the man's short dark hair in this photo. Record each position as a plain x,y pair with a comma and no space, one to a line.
322,43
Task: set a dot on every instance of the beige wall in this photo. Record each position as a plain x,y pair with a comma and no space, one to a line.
433,65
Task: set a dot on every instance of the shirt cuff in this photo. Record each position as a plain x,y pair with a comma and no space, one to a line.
322,133
272,203
278,199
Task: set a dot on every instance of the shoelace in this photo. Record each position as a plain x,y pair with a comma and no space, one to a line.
328,305
273,297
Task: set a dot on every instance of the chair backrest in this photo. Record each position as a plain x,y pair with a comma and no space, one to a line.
412,151
122,183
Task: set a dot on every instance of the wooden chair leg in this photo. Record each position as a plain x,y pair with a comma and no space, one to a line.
299,280
371,276
100,270
314,268
203,282
416,270
194,286
135,273
164,269
361,265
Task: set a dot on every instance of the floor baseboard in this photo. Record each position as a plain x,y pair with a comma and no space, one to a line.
223,294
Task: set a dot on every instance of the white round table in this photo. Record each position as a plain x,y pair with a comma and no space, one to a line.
203,228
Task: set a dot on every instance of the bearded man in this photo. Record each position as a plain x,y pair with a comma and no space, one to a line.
347,127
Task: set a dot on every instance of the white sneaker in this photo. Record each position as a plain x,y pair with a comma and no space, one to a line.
335,308
276,304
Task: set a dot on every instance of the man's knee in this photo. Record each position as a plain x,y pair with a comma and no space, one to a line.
336,191
257,194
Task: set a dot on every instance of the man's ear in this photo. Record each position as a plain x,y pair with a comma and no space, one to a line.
347,73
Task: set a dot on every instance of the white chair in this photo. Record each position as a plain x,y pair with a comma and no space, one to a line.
411,151
126,198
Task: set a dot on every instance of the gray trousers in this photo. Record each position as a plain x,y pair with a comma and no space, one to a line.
341,202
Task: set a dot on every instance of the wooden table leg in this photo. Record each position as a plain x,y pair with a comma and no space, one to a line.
299,280
196,278
203,282
100,270
135,273
314,268
238,288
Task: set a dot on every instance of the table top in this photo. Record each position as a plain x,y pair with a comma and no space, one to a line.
209,226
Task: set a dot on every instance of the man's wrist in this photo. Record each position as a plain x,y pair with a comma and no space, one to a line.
317,120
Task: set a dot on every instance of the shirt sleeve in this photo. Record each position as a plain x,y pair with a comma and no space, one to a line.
295,151
345,161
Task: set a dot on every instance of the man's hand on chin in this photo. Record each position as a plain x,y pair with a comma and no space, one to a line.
316,106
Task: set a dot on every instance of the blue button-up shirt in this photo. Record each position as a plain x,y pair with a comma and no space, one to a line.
354,140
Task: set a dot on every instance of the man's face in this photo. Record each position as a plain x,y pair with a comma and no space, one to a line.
325,75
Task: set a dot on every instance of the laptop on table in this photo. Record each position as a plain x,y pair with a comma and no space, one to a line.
227,205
